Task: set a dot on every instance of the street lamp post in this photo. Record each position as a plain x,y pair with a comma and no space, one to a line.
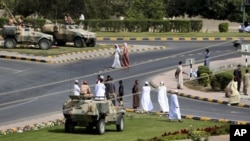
244,4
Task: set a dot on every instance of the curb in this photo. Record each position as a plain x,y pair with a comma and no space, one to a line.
171,38
198,118
200,98
24,58
49,59
32,127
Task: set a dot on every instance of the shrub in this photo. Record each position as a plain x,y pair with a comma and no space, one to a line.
203,69
204,79
214,83
220,81
223,27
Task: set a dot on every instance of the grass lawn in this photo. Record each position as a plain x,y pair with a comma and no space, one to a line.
137,126
55,51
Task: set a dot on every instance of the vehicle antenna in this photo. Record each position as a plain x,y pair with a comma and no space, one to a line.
6,7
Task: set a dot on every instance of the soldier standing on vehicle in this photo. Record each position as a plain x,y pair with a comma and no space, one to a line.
68,19
76,90
20,21
12,20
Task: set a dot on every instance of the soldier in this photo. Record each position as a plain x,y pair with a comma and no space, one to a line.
12,20
68,19
20,21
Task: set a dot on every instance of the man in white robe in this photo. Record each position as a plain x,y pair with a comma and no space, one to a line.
116,62
174,112
162,97
234,98
100,90
76,90
246,83
146,103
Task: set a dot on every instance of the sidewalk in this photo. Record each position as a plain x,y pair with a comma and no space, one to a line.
171,82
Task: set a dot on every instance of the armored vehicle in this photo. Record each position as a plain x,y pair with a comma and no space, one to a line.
13,35
64,33
91,113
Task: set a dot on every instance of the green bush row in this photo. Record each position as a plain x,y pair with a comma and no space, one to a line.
223,27
97,25
220,81
217,81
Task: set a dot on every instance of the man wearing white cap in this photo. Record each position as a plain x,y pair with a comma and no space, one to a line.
100,90
76,90
146,103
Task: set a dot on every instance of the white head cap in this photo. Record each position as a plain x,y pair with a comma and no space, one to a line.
76,81
116,45
146,82
125,44
102,77
162,83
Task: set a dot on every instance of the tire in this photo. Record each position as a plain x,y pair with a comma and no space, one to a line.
9,43
69,126
100,127
79,42
44,44
120,124
92,43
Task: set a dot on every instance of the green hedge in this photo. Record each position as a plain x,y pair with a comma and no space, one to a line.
220,81
204,79
223,27
203,69
97,25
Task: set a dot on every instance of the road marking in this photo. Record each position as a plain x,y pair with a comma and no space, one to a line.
111,70
29,101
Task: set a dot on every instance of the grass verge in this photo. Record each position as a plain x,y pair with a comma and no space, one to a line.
137,127
55,50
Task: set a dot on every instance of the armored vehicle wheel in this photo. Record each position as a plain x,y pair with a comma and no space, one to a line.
120,124
79,42
91,43
69,126
44,44
9,43
100,127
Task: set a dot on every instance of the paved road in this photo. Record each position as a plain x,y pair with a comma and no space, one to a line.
47,94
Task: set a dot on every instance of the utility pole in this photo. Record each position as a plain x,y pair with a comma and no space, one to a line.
243,8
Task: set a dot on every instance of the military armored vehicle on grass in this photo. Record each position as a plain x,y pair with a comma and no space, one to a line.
91,113
64,33
14,35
